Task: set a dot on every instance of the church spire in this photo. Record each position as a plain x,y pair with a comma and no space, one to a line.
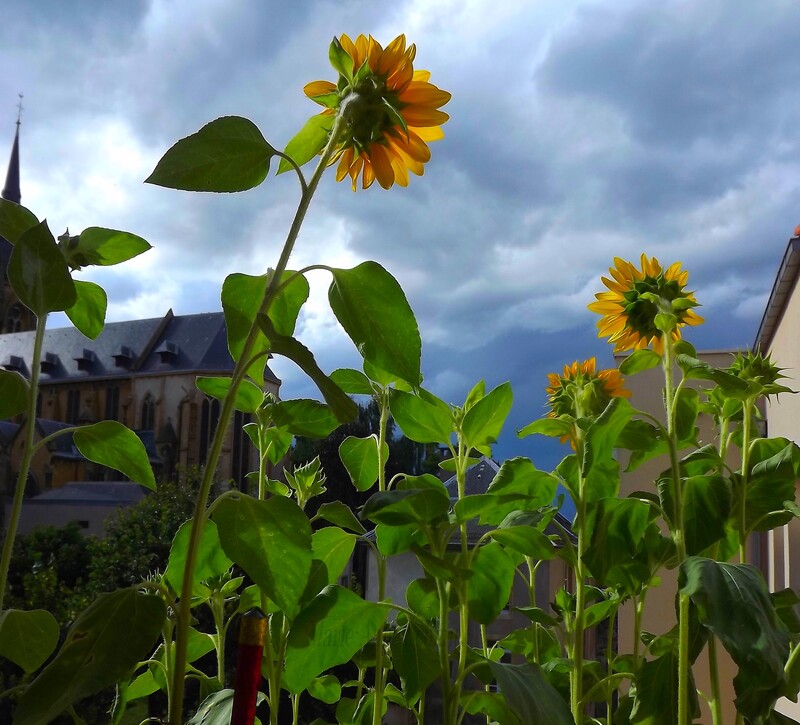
11,191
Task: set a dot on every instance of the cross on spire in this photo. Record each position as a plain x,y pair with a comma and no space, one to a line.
19,108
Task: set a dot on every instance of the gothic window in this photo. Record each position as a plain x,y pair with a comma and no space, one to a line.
148,413
209,418
241,453
73,405
112,402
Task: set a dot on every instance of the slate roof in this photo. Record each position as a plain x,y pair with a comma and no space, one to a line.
160,345
8,431
785,281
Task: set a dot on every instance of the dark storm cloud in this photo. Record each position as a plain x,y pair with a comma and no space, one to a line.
579,131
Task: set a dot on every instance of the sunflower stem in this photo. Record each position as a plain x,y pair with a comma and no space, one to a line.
183,615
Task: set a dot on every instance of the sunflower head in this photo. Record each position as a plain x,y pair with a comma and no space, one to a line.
644,305
391,110
580,391
760,372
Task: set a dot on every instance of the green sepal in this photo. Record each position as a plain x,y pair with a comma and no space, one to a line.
340,59
308,141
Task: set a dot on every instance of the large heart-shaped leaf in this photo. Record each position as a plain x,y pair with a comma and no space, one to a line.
88,313
15,220
210,560
271,541
373,310
328,632
112,444
484,420
228,154
308,141
28,638
13,393
102,247
104,644
39,274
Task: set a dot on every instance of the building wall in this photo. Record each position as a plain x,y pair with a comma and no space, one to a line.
783,419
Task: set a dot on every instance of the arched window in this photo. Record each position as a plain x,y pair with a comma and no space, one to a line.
148,413
209,418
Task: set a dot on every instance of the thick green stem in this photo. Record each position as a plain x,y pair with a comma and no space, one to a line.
578,628
532,569
716,695
377,709
198,519
610,663
678,534
747,433
27,456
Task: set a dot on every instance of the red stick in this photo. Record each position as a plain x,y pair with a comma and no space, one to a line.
248,667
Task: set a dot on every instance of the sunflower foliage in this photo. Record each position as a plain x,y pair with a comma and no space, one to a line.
466,635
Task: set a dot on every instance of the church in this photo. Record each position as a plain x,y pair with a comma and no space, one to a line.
140,373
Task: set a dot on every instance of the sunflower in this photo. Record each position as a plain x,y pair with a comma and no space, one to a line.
581,391
642,303
392,111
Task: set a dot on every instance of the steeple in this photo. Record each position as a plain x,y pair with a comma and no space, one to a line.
11,191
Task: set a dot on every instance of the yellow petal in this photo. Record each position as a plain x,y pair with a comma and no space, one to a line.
382,165
319,88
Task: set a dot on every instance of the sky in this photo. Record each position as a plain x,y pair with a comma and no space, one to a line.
580,131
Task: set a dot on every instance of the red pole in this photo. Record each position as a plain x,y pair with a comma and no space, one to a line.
252,628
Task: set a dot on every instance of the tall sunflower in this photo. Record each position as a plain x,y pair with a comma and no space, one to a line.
392,111
581,391
642,303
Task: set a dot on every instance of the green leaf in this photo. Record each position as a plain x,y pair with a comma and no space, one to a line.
616,531
308,141
326,689
353,382
15,220
656,701
88,313
210,561
361,459
489,587
271,541
706,506
39,274
423,597
773,466
328,632
519,477
286,305
228,154
694,369
687,406
420,420
306,418
373,310
112,444
415,659
639,361
14,391
733,602
101,247
103,646
551,427
412,506
392,540
340,514
532,698
217,709
242,296
28,638
484,420
248,395
527,540
491,704
333,548
600,467
342,406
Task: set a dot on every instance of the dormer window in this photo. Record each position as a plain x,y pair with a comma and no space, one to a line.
14,362
168,351
49,363
85,359
123,357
